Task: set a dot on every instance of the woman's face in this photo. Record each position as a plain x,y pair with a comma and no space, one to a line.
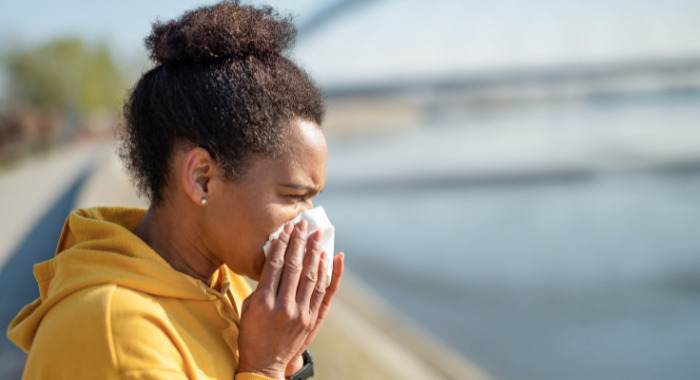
242,214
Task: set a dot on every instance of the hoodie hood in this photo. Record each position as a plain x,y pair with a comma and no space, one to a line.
98,246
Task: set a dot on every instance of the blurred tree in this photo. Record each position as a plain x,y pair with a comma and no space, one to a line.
64,75
55,91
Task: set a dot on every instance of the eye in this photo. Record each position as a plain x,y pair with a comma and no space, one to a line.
298,197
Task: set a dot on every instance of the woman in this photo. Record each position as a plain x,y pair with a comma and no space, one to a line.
223,137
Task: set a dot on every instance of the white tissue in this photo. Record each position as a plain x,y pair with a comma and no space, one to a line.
318,220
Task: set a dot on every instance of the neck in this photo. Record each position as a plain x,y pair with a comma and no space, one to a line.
177,243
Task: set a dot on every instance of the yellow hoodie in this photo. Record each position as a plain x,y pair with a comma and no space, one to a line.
111,308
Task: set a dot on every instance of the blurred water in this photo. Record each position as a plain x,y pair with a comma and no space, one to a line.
582,277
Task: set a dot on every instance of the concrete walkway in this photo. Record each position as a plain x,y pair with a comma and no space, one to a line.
36,196
30,187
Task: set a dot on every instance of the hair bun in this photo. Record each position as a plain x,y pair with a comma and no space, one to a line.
224,30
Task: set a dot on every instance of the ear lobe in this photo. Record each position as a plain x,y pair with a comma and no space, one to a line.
197,170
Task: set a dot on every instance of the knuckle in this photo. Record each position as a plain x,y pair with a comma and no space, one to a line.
284,313
314,245
276,262
299,237
293,265
279,244
310,276
306,323
320,289
261,302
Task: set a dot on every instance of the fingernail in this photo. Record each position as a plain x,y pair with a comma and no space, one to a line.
288,228
316,237
303,226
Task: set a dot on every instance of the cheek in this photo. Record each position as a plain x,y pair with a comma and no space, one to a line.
273,217
242,233
262,220
279,214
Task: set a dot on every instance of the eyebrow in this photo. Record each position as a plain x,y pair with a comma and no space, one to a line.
307,188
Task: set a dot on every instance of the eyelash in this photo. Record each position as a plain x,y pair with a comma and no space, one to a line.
300,198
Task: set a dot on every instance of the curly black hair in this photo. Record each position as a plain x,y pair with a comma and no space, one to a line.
221,82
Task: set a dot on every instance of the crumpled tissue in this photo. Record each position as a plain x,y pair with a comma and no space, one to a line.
318,220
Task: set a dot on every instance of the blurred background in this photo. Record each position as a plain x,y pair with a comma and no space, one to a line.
517,182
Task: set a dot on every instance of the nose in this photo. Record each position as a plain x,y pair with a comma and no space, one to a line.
304,206
308,205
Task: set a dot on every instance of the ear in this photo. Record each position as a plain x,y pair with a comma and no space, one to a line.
197,169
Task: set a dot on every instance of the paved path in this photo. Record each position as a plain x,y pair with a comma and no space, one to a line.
36,197
29,188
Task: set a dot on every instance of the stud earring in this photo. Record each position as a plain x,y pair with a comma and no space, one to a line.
204,201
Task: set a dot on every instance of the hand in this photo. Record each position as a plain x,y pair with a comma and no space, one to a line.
282,316
338,265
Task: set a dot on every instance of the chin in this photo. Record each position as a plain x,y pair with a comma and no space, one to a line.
257,269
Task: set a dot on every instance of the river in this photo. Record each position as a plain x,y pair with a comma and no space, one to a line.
586,275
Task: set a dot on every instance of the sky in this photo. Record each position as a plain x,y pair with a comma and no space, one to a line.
395,39
124,23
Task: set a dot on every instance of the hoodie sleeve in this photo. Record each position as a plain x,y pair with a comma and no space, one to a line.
152,374
153,340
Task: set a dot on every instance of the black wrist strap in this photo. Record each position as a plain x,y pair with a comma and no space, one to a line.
307,371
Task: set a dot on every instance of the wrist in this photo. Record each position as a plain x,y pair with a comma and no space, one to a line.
269,371
306,371
294,365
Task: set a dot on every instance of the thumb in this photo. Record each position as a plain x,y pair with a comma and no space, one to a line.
246,303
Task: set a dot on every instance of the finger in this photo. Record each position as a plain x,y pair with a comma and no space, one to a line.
325,303
319,290
310,272
293,263
246,302
272,270
315,302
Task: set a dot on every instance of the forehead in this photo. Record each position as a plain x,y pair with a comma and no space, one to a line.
303,157
303,138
